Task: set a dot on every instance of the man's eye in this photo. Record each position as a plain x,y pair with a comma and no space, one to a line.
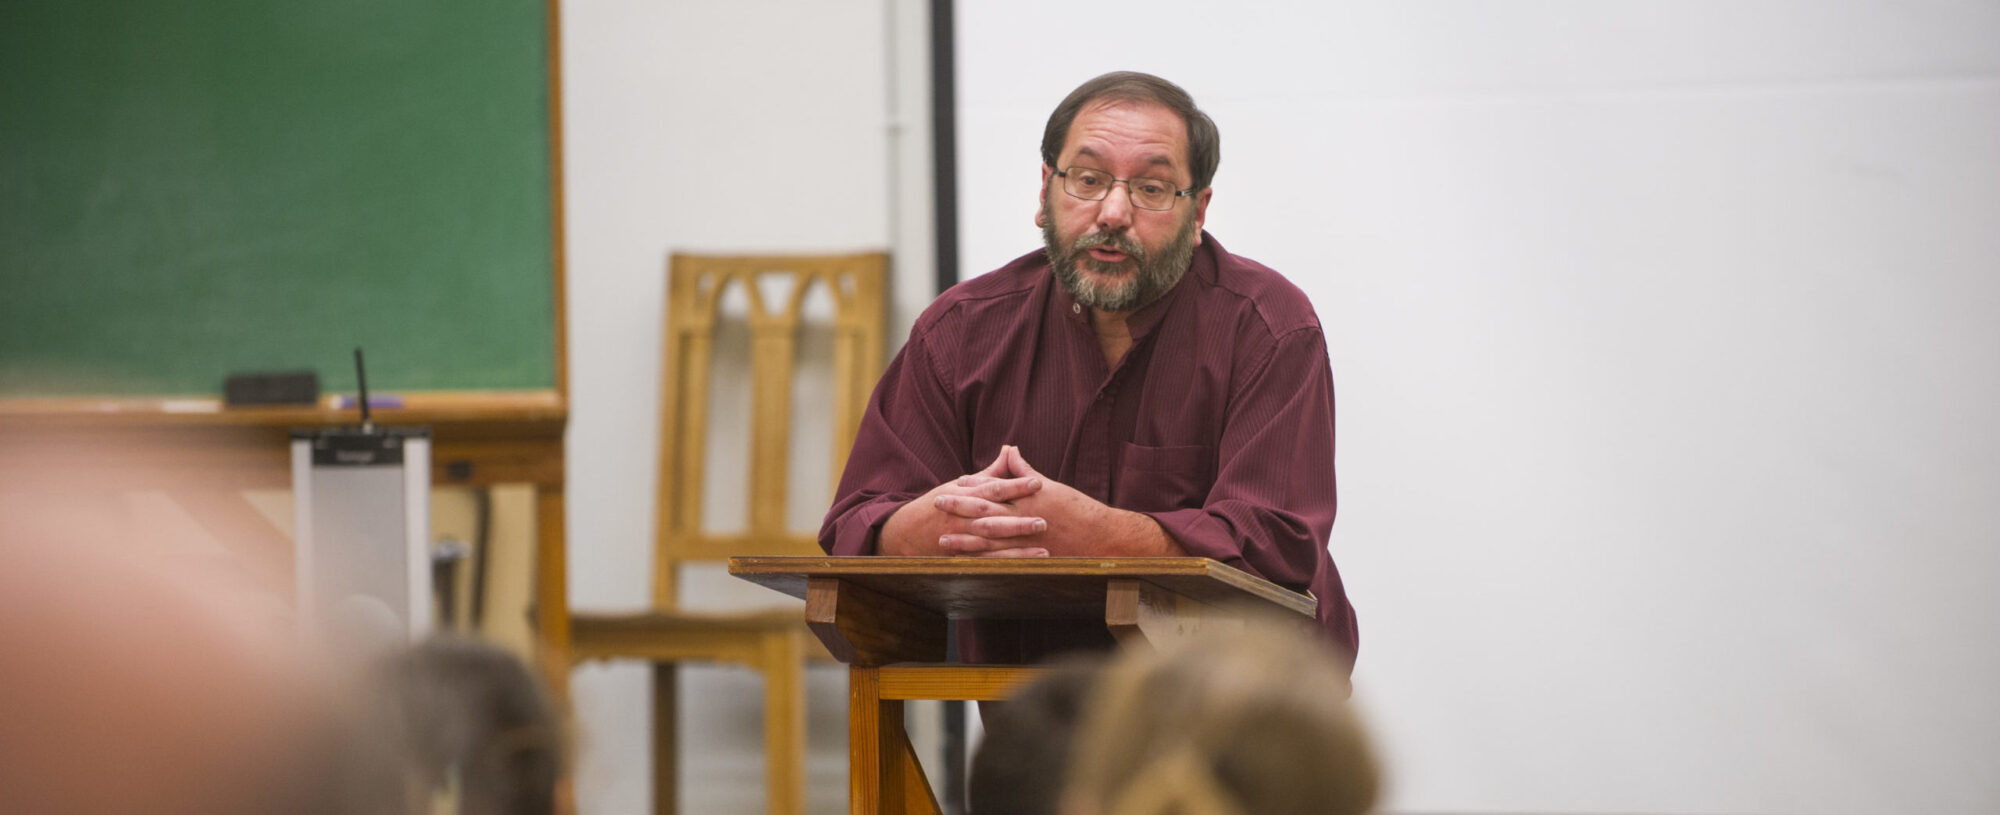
1150,187
1089,180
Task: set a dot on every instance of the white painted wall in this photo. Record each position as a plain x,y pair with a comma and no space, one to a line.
713,126
1667,341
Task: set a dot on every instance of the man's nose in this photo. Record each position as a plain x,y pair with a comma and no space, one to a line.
1115,211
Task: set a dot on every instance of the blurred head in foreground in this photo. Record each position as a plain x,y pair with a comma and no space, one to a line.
1026,750
136,683
1245,723
141,676
477,733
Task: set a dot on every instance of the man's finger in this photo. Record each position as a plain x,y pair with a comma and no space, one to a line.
1005,490
999,466
1016,463
967,543
1022,552
968,506
1008,526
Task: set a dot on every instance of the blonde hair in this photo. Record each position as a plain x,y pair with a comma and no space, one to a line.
1252,723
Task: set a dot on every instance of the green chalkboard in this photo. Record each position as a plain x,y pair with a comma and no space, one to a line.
191,188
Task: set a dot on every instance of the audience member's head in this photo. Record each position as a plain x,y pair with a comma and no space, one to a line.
476,729
1248,723
1025,754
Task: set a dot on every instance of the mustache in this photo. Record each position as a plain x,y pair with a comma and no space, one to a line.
1116,240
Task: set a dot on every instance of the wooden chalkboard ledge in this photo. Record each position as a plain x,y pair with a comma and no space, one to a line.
429,407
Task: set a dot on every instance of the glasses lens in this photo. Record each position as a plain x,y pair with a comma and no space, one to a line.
1087,184
1151,193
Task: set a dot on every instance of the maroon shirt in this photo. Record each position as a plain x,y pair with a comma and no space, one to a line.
1218,423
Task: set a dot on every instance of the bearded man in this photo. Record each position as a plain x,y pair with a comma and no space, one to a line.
1130,390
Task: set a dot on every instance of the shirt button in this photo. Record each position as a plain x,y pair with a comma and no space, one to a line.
1076,308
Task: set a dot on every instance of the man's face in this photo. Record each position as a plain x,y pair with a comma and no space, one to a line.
1109,254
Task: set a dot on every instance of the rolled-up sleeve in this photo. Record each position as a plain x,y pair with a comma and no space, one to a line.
909,442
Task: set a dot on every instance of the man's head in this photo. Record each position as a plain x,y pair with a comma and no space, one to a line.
1112,250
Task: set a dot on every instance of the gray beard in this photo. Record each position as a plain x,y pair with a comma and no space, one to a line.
1154,277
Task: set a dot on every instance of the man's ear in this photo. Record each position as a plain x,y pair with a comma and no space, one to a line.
1040,209
1201,212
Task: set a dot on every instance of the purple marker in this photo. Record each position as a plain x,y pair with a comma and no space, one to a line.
375,401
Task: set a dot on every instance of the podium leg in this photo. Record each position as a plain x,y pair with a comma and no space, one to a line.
864,740
884,775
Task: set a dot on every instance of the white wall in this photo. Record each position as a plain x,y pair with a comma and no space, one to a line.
1667,341
713,126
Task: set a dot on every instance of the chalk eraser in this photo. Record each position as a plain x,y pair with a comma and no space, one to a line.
271,388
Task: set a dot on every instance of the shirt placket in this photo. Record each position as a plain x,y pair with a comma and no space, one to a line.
1093,457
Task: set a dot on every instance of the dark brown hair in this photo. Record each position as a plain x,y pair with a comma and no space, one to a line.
1204,143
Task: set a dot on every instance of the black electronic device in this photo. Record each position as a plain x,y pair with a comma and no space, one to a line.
271,388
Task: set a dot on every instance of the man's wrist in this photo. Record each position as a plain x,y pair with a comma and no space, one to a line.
1141,535
896,535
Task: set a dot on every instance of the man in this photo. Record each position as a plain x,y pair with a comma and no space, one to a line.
1132,390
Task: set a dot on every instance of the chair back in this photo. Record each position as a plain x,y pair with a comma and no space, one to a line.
776,288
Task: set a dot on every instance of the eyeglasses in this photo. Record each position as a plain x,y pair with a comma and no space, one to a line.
1144,193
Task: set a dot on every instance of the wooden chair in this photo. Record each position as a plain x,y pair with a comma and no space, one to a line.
774,642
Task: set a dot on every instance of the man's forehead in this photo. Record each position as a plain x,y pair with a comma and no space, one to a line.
1172,135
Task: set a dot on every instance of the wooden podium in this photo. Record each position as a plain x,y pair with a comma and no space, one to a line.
886,618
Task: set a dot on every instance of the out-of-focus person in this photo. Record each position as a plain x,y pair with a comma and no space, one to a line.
1025,752
476,732
142,675
1247,723
137,681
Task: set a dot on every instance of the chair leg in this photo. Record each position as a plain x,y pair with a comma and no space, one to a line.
785,721
666,729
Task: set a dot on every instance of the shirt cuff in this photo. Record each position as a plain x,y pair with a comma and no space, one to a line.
860,532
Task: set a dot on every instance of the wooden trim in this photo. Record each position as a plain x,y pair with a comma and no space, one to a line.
99,444
866,715
422,407
783,666
917,797
957,586
1142,615
559,233
862,627
968,682
552,624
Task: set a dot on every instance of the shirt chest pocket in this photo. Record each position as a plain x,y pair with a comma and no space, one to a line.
1157,479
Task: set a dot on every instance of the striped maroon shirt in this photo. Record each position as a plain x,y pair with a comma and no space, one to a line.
1218,423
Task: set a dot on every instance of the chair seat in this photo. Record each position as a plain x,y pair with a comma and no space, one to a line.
686,636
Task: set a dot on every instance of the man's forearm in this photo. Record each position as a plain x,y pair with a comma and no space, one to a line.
1133,534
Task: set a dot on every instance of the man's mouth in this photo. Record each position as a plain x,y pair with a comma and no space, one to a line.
1106,254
